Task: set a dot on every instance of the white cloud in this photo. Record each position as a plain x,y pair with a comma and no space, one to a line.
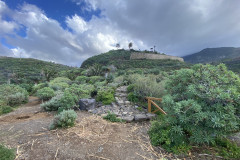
175,27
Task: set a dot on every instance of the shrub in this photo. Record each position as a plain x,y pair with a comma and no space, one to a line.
67,101
6,154
13,94
53,104
45,93
60,83
132,97
94,79
226,148
82,79
112,117
202,104
64,119
5,109
27,86
119,80
38,86
105,95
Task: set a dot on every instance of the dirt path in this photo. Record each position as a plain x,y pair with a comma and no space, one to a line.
26,129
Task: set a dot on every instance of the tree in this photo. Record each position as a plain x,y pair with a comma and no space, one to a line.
118,45
49,73
130,45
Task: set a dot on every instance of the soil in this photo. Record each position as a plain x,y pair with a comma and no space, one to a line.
92,138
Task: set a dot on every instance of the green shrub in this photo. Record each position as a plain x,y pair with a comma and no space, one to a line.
202,104
112,117
130,88
53,104
82,79
27,86
106,96
6,154
60,80
94,79
45,93
38,86
64,119
13,94
60,83
226,148
132,97
5,109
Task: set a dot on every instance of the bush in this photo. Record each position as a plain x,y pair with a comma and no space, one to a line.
53,104
82,90
38,86
6,154
226,148
13,94
45,93
132,97
106,96
64,119
112,117
145,86
5,109
67,101
82,79
27,86
60,83
202,104
94,79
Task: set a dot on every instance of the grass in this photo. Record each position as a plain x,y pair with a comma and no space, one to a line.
112,117
6,153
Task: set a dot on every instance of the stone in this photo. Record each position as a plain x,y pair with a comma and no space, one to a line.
87,104
140,117
150,115
124,113
127,102
128,118
235,137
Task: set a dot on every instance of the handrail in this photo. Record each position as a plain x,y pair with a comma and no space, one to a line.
150,102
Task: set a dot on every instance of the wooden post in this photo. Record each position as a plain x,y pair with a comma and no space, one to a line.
149,106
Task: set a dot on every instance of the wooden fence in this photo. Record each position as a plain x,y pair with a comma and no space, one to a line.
151,101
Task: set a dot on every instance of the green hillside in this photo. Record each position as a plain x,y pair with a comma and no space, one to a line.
209,55
121,60
26,68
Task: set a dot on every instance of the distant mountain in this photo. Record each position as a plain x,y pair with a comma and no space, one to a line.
26,68
209,55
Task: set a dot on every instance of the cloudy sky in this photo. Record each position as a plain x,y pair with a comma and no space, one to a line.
69,31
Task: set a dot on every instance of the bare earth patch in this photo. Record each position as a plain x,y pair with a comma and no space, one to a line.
92,138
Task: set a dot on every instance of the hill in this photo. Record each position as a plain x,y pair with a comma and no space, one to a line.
209,55
121,60
26,68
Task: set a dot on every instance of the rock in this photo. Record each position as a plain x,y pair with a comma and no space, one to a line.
150,115
124,113
140,117
127,102
87,104
120,102
235,138
128,118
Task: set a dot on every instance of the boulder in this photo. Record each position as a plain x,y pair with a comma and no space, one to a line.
128,118
140,117
87,104
150,115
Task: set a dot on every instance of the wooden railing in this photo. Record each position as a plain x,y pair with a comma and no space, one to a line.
150,102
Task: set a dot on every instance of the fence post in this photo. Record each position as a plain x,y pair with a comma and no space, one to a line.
149,106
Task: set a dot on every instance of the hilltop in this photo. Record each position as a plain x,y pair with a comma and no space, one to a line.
26,67
121,60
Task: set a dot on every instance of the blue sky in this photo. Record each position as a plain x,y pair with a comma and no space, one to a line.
69,31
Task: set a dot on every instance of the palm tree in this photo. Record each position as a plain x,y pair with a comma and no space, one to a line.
118,45
130,45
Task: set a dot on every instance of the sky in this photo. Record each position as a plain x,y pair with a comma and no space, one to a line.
70,31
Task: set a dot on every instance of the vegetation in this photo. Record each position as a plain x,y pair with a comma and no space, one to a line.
106,95
112,117
202,104
45,93
26,70
6,154
64,119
